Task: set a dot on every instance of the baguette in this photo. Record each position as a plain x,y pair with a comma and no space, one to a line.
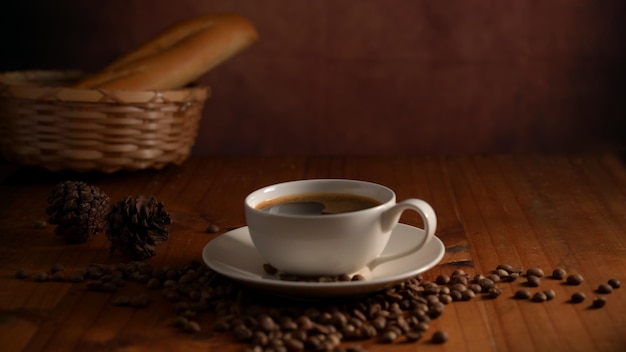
177,56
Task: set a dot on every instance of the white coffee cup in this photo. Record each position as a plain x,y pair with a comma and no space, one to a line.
333,244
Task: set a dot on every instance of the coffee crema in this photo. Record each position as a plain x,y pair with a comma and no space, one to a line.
333,203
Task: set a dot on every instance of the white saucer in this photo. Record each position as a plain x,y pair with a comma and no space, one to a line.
232,254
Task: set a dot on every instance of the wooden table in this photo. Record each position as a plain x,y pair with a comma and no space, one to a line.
544,211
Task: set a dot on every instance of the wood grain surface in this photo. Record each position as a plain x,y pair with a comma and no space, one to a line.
528,211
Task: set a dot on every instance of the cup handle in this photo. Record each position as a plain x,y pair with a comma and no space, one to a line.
391,217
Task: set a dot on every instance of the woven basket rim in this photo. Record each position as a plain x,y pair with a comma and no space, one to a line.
52,85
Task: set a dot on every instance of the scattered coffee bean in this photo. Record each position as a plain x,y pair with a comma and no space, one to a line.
558,274
140,301
413,336
495,278
522,294
476,288
494,292
178,322
486,284
615,283
605,288
578,297
539,297
574,279
76,276
41,277
459,272
503,274
58,276
21,274
192,327
442,279
508,268
153,284
511,277
40,224
399,313
213,228
121,301
534,272
598,302
445,298
388,336
533,281
440,337
456,295
56,268
467,295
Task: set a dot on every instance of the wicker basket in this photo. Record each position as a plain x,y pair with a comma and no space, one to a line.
45,123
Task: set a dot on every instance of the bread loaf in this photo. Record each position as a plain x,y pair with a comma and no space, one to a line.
177,56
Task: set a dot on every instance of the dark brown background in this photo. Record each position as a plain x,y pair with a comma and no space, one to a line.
370,76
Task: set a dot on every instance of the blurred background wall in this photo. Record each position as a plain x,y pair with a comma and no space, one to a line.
370,76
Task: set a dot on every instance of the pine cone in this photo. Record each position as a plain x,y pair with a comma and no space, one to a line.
78,210
136,226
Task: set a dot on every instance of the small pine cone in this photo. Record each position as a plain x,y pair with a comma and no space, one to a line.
79,210
136,226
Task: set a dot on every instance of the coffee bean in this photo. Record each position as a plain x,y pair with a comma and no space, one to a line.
574,279
459,279
522,294
458,287
445,299
58,276
512,277
539,297
534,272
578,297
440,337
559,274
21,274
40,224
467,295
355,348
192,327
459,272
121,301
604,288
413,336
494,277
456,295
494,292
598,302
442,279
56,268
550,294
41,277
140,301
476,288
508,268
388,336
153,284
615,283
486,284
294,345
213,228
242,333
533,281
503,274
